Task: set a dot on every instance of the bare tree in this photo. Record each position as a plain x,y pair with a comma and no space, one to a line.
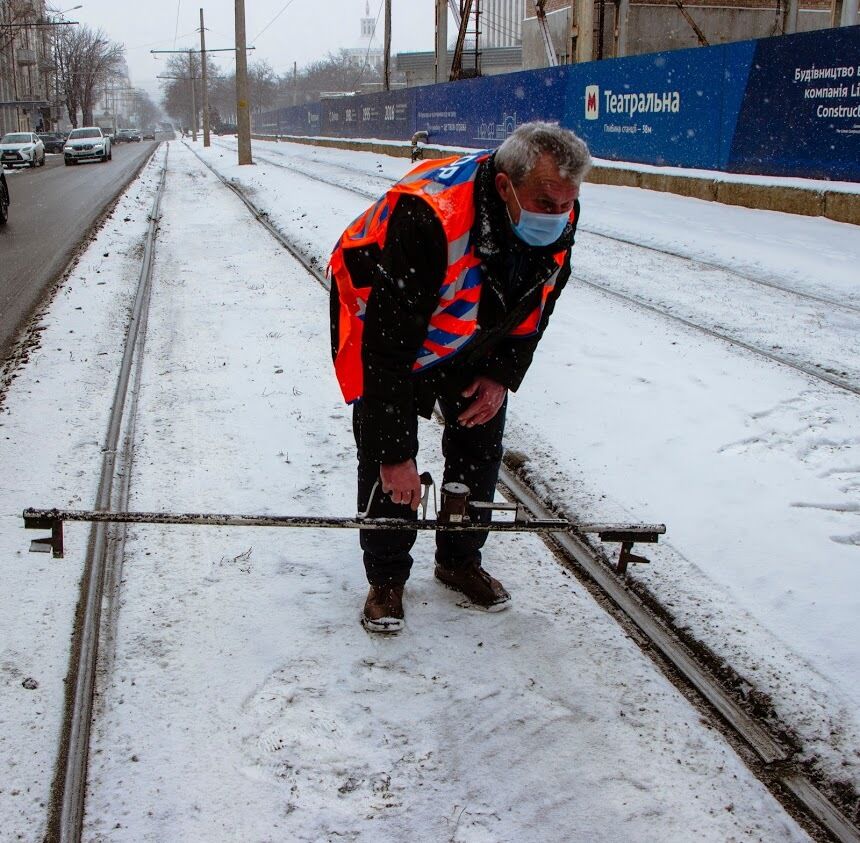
263,84
176,87
85,60
146,112
337,72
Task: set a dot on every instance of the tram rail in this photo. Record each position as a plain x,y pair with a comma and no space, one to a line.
68,791
757,279
808,368
774,763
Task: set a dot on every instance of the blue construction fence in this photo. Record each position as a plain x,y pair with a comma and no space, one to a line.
787,106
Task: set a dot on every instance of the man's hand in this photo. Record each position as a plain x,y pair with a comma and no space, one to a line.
401,483
489,397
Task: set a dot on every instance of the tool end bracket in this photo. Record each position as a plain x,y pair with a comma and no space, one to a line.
49,544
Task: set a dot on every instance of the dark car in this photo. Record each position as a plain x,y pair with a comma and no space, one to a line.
126,136
53,141
4,199
149,134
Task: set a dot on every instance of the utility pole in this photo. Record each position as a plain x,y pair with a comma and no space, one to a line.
584,30
193,98
441,41
205,82
622,18
243,114
295,83
387,69
191,76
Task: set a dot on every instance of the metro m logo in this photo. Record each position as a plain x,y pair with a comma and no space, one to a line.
592,102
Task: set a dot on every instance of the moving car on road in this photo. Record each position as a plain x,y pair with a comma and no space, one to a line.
20,149
149,134
53,141
4,199
126,136
87,144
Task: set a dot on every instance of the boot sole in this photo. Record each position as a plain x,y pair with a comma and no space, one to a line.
491,609
384,626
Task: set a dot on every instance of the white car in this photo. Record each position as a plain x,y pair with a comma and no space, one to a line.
86,144
22,149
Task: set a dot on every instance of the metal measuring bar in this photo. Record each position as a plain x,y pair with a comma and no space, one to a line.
456,513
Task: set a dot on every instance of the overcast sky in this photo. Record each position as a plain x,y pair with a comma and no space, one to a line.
304,31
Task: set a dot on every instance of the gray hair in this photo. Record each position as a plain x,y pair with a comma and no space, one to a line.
521,150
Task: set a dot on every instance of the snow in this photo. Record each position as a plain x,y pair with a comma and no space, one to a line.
240,698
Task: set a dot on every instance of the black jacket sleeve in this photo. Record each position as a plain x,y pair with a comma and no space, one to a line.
511,358
405,293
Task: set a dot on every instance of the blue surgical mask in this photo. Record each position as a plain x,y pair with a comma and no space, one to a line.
538,229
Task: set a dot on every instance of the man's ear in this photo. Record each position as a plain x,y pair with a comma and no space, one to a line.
503,186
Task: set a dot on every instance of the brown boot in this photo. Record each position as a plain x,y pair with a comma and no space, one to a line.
383,609
483,591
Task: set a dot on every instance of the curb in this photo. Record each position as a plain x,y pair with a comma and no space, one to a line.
835,205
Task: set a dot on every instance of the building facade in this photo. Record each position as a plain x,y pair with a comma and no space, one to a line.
28,97
634,27
369,50
501,22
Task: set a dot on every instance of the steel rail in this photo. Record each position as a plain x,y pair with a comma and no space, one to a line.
664,639
581,559
809,369
309,262
69,787
596,232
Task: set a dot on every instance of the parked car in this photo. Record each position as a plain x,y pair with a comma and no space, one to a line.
53,141
87,144
22,149
4,199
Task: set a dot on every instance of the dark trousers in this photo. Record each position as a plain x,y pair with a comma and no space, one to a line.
472,456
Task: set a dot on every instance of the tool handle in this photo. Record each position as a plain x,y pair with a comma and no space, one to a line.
426,481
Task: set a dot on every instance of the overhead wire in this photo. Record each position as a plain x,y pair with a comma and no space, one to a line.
165,41
283,9
176,28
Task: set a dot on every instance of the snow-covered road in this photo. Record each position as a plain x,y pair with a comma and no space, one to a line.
243,700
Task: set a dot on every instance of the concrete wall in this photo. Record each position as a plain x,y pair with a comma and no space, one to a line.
653,28
419,68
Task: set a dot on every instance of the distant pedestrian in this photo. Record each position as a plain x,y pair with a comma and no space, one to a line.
442,291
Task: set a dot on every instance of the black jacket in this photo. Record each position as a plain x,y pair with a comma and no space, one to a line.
406,277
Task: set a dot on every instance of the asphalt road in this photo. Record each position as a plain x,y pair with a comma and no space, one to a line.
52,208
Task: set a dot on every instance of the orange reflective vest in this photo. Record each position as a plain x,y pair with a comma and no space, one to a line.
448,187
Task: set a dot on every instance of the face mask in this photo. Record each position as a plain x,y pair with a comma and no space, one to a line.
538,229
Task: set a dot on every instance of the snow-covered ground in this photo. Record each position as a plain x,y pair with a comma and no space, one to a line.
242,700
754,467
